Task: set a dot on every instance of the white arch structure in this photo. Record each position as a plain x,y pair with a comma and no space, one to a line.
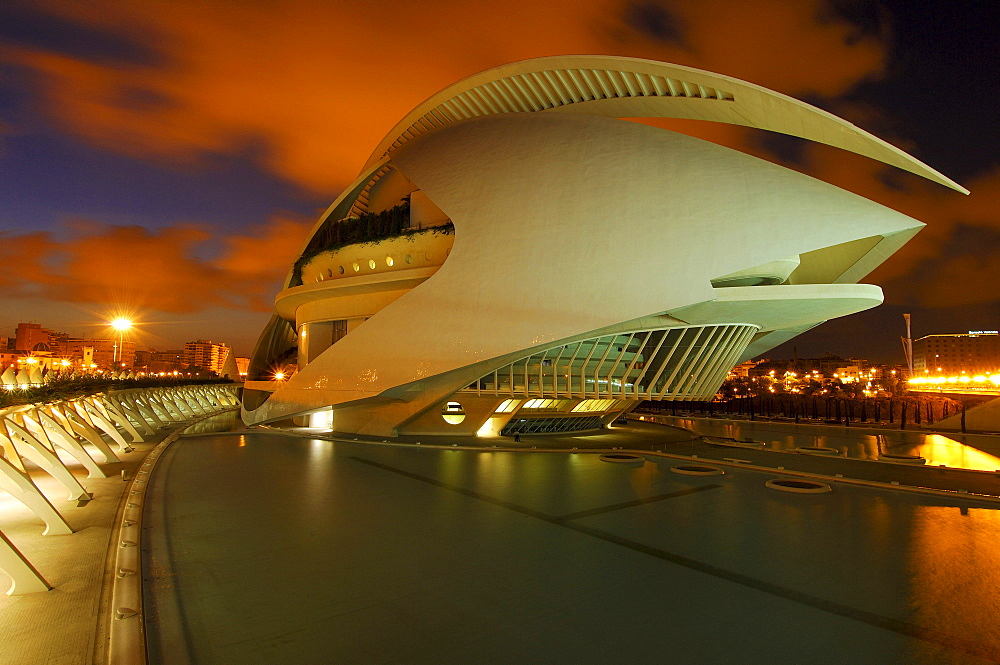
595,262
84,431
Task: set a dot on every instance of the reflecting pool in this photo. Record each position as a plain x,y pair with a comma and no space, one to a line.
968,451
269,548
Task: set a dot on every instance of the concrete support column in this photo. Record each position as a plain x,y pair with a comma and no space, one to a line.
24,577
143,407
113,413
79,426
57,436
34,450
104,424
19,486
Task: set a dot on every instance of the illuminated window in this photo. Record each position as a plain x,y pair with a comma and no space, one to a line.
453,413
356,267
388,261
371,263
508,405
589,405
546,404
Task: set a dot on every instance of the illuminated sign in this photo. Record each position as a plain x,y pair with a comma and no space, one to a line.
984,332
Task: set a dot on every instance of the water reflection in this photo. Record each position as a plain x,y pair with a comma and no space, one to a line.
955,582
224,422
969,451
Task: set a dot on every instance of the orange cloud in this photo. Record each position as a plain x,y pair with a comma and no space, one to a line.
154,269
317,84
22,257
320,83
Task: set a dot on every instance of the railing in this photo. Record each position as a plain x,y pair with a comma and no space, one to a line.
685,362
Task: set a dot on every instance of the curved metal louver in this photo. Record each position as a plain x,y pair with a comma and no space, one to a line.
546,89
681,363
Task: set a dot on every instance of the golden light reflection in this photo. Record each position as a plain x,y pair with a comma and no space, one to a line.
978,382
939,449
955,582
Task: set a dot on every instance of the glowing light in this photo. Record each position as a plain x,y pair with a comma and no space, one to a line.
121,325
453,413
279,376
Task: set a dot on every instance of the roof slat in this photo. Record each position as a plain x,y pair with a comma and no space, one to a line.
627,85
582,75
456,109
617,86
529,92
518,92
546,88
644,85
605,88
471,104
577,92
486,100
544,99
500,97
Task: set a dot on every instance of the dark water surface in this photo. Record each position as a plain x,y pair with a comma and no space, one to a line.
271,549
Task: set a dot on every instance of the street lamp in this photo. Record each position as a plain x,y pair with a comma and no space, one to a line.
120,325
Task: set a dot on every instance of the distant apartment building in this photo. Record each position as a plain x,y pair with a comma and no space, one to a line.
10,358
976,352
156,362
33,337
206,354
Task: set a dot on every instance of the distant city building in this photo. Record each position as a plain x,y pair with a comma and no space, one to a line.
975,352
743,369
242,366
100,352
143,358
155,362
33,337
10,357
207,355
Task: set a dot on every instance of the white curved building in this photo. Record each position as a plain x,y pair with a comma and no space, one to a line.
541,265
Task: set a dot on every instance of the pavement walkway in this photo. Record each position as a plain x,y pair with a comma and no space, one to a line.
62,626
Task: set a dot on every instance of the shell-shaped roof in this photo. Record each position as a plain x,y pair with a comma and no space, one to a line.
635,88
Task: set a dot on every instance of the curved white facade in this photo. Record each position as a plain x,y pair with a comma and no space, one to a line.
579,243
